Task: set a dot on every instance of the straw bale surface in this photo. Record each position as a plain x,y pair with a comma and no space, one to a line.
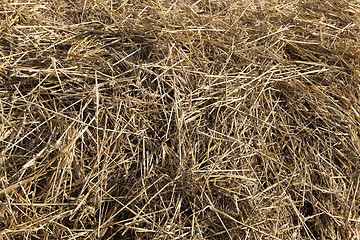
157,119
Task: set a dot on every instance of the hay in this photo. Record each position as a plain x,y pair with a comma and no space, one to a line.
179,119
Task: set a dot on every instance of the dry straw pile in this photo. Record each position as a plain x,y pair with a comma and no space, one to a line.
180,119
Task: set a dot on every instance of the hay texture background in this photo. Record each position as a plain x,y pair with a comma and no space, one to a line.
179,119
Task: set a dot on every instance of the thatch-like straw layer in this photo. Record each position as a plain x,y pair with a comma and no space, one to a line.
179,119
